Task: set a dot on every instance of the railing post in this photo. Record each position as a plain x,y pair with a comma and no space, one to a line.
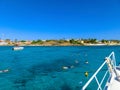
84,87
99,86
110,60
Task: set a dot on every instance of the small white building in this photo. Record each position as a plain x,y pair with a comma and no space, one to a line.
3,42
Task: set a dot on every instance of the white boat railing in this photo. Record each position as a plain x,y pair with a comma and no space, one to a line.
112,62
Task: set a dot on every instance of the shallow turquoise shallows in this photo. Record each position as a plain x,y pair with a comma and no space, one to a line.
51,67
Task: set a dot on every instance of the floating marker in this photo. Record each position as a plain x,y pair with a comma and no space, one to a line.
86,74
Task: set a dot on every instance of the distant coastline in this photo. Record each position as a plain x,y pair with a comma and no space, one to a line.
61,42
78,45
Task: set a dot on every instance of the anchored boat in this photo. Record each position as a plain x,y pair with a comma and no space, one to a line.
113,73
17,48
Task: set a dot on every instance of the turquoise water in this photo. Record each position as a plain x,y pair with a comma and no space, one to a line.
40,68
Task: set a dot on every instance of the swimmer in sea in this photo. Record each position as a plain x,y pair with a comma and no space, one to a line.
76,61
3,71
86,62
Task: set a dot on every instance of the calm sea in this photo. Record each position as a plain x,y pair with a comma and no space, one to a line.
41,68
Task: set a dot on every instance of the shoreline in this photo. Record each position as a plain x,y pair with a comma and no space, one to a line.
69,45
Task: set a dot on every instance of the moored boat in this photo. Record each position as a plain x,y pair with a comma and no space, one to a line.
18,48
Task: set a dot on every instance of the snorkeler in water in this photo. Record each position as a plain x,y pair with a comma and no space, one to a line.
86,62
3,71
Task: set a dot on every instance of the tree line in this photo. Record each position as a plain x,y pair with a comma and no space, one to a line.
67,42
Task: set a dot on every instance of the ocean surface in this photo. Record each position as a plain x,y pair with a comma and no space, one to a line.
44,67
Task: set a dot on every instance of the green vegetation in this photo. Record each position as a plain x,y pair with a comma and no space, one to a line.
90,40
64,42
104,41
22,41
75,42
37,42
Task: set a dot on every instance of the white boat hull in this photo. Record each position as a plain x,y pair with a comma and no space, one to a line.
18,48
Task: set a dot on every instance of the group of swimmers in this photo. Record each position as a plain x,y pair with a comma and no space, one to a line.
72,66
68,67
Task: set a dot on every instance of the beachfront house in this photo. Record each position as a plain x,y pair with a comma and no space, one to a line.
2,42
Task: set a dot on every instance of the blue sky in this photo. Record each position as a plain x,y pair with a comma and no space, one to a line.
58,19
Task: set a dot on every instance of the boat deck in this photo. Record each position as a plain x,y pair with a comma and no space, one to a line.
113,83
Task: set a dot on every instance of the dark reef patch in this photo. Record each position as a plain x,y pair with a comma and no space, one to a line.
65,86
49,67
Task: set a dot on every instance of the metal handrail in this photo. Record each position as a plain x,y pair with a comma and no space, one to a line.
94,75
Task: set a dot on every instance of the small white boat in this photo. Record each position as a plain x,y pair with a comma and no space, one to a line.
18,48
112,74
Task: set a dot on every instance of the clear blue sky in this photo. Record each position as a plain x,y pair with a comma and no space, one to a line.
57,19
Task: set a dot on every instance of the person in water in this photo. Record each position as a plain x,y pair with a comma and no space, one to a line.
86,62
3,71
76,61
